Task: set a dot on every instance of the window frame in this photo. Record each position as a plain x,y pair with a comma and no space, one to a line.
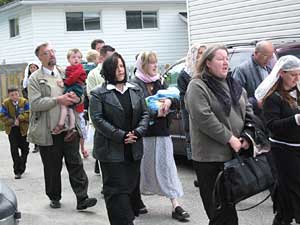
99,13
142,20
16,27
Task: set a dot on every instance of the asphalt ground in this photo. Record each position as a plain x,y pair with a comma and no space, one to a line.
34,204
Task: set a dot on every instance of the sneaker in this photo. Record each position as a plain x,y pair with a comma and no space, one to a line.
180,214
86,203
18,176
55,204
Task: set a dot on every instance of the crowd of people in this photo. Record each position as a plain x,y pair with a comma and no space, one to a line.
131,141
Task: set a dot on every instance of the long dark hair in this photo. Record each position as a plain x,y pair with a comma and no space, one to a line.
29,72
109,68
285,95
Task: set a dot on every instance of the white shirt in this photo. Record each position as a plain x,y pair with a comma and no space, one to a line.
125,88
48,72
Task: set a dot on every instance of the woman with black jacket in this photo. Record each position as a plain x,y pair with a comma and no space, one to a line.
120,117
280,96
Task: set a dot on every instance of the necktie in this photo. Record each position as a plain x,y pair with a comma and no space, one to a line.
52,73
16,109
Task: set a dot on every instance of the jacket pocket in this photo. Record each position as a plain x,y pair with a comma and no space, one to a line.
100,150
35,131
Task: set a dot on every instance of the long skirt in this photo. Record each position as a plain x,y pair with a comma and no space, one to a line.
287,195
158,169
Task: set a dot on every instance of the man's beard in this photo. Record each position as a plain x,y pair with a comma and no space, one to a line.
52,62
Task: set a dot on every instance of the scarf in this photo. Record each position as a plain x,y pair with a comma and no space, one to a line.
226,101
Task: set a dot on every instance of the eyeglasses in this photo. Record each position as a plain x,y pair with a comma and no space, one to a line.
266,57
47,53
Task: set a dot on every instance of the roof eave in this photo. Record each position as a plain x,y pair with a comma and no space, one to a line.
10,5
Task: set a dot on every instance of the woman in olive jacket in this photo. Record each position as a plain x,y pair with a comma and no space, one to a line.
218,107
120,116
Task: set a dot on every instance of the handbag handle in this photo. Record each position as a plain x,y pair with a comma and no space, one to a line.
216,195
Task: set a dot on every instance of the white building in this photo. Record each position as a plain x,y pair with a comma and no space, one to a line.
130,26
228,21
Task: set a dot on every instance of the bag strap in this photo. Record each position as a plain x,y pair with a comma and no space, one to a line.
216,195
251,207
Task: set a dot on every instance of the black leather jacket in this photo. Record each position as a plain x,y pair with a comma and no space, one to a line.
107,115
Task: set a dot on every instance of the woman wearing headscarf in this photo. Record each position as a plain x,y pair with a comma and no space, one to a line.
280,96
119,114
30,68
184,78
217,107
158,169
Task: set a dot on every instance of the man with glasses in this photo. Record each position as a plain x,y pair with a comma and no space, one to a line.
45,97
252,72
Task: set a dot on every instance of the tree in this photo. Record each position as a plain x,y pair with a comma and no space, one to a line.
3,2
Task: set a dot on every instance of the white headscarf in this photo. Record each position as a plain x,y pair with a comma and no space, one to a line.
191,59
285,63
25,80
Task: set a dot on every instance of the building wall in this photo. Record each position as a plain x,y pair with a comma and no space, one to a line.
169,40
226,21
19,48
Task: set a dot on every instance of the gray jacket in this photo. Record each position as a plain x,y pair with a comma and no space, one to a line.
44,110
107,115
210,128
249,75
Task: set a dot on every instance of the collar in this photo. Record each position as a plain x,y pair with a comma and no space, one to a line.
257,65
15,103
48,72
113,87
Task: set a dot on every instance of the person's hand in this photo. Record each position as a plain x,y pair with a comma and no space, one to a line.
260,104
164,107
66,99
17,122
130,138
60,83
245,143
235,143
85,153
76,99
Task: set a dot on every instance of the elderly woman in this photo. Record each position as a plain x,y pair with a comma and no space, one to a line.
280,96
119,114
217,106
158,169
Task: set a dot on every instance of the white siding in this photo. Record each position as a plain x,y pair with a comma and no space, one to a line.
170,40
226,21
19,48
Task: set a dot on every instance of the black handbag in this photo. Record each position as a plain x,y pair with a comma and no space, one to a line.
241,178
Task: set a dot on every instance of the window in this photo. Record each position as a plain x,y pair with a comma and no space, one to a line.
14,27
79,21
141,19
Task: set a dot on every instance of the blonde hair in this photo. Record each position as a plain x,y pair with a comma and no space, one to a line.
73,51
92,56
145,59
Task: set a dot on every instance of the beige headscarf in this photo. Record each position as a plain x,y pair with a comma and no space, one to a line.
191,59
